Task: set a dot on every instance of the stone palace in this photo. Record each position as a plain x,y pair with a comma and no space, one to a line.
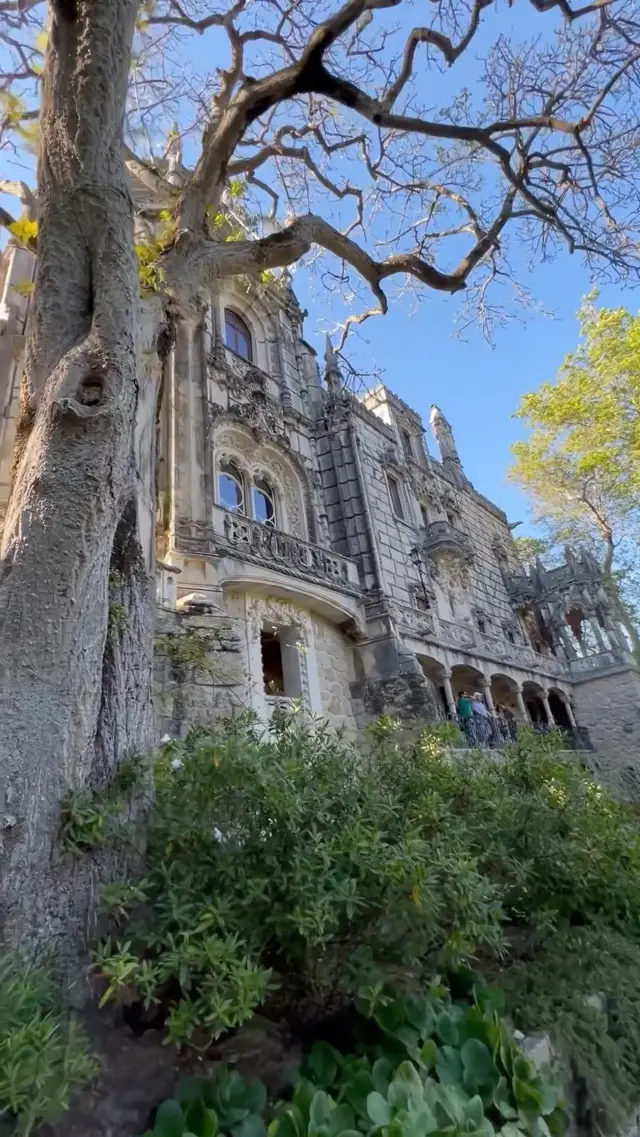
310,547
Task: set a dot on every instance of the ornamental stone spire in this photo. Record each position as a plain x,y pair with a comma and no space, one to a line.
443,435
332,372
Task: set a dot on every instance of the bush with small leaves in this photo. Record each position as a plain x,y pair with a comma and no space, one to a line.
287,863
292,868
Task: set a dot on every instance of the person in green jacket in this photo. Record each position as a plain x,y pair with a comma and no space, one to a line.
465,714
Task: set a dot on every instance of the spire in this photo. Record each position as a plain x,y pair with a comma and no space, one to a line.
332,372
443,435
173,155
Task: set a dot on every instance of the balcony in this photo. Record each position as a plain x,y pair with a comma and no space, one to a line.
442,536
260,544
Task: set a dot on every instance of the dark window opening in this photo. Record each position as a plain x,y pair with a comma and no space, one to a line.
482,627
407,444
272,667
237,335
451,519
422,602
425,516
394,494
510,636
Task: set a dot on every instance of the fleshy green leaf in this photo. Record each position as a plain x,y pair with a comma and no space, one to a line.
379,1109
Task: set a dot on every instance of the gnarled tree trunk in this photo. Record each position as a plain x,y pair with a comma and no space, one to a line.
74,686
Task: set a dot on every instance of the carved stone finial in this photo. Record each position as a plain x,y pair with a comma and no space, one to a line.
173,154
332,372
443,435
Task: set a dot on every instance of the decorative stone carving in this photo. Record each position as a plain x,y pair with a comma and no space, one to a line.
260,413
425,487
338,410
412,621
277,613
392,462
261,544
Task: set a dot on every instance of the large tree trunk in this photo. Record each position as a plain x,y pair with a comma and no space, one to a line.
74,686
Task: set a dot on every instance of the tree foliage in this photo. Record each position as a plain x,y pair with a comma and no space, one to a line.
580,464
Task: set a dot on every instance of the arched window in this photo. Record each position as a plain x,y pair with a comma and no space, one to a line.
264,508
237,335
230,488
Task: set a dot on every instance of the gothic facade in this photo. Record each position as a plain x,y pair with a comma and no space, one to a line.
326,555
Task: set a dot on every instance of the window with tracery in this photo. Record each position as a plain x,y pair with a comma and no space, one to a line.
264,506
231,488
237,336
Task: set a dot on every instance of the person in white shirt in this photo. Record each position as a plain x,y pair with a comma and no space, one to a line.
481,718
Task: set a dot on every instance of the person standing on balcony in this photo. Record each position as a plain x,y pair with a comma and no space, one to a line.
480,718
465,715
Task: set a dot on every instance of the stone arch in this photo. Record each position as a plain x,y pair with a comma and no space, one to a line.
504,690
533,693
232,441
465,677
558,700
435,672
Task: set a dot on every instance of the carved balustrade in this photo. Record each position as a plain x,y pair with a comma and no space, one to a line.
262,544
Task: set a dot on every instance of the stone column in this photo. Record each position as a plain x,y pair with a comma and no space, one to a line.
570,714
488,697
547,709
522,706
448,691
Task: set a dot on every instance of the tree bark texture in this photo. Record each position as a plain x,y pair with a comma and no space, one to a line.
74,684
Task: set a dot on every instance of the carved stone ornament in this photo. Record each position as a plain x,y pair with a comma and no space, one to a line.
425,488
260,413
451,500
391,462
338,409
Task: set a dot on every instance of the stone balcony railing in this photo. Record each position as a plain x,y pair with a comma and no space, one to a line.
261,544
442,535
602,661
521,655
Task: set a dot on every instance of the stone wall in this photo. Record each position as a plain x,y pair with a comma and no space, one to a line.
336,673
609,707
200,671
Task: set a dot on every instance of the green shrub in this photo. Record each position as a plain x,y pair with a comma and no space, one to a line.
43,1055
288,863
296,868
432,1066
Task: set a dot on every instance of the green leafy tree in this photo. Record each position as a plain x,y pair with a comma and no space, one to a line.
528,548
580,463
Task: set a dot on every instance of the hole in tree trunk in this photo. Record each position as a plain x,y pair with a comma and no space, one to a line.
90,391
